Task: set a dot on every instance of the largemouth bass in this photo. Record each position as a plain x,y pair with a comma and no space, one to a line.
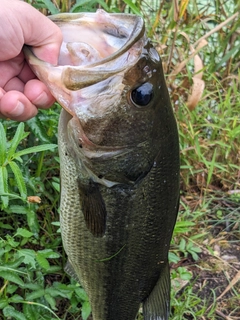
119,161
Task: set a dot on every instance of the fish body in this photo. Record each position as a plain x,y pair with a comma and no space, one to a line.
119,162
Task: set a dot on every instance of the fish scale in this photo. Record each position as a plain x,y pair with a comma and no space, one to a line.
119,163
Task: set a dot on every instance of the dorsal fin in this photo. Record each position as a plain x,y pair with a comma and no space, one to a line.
93,207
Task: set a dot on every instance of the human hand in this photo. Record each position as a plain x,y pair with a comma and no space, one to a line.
21,93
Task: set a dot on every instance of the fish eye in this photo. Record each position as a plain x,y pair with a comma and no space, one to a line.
142,95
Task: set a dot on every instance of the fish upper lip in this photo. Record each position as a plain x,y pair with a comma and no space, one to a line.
137,32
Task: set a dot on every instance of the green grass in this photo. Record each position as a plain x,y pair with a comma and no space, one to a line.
205,248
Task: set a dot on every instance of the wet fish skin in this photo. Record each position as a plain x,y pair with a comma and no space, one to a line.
119,180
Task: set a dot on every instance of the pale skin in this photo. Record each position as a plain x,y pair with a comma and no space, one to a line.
21,93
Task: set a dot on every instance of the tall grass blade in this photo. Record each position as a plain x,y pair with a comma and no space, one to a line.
103,4
48,4
133,7
183,7
234,50
82,4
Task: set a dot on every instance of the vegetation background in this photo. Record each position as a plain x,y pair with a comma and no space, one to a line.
199,42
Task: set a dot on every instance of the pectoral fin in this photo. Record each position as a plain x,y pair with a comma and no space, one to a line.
157,305
93,208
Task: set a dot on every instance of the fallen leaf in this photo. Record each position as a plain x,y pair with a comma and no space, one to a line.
34,199
196,93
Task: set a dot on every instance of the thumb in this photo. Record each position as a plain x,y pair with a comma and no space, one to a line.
36,29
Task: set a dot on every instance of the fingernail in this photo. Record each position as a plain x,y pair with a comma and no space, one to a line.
42,99
18,110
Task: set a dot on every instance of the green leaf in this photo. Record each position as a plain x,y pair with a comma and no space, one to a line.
38,129
16,298
81,293
19,135
12,277
17,209
184,274
182,245
14,264
56,223
86,310
42,261
10,268
35,295
173,257
51,301
54,269
3,145
33,223
58,291
4,186
30,312
10,313
56,186
228,56
12,242
19,179
23,233
11,288
40,148
194,255
3,303
29,257
6,226
49,253
33,286
183,227
12,196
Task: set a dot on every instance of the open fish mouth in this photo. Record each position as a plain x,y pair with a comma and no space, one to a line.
96,46
97,50
100,38
100,47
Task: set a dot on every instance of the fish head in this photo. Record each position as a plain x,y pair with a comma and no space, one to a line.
109,79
